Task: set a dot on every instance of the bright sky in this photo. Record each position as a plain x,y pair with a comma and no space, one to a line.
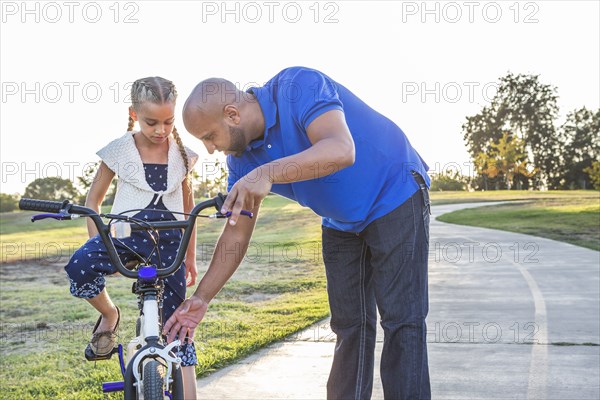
65,65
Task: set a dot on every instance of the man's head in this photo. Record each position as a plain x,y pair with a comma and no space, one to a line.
223,117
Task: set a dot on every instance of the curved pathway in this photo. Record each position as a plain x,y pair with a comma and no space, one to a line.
512,316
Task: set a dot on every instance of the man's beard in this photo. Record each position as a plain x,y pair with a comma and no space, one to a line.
237,140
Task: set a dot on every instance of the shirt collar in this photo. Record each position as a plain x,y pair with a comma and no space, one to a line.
269,110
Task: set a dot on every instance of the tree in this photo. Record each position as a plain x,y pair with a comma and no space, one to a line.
507,158
211,182
480,130
482,162
594,173
85,183
51,188
8,202
219,183
527,108
580,135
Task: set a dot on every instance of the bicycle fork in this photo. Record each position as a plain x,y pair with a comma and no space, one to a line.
147,346
153,349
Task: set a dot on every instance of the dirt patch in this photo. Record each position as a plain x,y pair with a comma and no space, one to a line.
256,297
25,338
42,272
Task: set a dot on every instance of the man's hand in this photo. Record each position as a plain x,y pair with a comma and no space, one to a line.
185,319
191,272
247,193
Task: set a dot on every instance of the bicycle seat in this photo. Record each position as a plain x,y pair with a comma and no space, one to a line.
132,265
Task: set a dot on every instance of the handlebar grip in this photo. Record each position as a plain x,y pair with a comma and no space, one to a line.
219,200
41,205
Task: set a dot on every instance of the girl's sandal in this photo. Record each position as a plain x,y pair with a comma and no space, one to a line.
103,343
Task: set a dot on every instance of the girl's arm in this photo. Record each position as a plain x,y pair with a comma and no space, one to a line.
100,185
190,256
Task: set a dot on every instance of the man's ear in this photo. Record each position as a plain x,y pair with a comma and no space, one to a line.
231,114
133,114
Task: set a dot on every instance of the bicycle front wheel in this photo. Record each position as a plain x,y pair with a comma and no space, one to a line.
154,381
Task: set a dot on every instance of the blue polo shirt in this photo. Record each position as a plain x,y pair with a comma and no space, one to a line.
349,199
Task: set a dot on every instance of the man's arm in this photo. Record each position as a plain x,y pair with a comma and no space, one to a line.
332,150
229,252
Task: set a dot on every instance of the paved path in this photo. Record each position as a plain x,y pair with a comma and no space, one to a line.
511,316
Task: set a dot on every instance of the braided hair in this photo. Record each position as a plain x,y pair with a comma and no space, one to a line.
156,90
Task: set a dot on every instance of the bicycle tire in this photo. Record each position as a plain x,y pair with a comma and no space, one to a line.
177,386
154,383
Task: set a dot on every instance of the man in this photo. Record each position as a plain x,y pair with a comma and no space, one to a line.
306,137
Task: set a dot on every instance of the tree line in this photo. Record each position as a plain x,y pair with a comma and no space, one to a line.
58,189
515,142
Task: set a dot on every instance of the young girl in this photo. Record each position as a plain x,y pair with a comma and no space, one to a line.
152,167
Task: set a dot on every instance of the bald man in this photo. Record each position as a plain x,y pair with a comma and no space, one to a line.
306,137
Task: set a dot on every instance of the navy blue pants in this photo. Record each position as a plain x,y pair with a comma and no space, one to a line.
384,267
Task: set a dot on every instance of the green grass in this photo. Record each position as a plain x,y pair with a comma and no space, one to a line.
278,289
569,217
454,197
21,239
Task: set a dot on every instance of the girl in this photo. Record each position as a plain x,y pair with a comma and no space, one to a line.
152,167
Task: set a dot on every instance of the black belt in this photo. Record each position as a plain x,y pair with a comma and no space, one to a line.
424,189
419,179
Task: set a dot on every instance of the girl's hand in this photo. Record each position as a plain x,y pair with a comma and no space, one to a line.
191,272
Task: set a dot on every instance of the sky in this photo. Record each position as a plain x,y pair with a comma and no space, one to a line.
66,66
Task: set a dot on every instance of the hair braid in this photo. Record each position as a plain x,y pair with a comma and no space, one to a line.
181,150
185,158
130,124
157,90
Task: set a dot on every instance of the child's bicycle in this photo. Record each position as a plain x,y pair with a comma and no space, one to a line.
148,355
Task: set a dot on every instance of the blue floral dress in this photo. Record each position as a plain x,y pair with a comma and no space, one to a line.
90,263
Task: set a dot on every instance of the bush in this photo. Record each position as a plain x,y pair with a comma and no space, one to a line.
8,202
448,181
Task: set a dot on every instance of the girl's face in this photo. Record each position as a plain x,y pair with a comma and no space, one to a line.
155,120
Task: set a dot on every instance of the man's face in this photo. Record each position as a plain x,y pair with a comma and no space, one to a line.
217,135
237,141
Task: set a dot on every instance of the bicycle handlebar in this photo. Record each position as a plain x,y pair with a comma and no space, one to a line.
103,229
41,205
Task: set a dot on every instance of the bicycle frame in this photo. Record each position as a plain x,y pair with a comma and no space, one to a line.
148,287
150,345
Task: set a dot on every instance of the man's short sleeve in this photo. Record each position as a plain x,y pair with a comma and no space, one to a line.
312,94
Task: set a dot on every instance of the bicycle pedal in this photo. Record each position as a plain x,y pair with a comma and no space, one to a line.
91,356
